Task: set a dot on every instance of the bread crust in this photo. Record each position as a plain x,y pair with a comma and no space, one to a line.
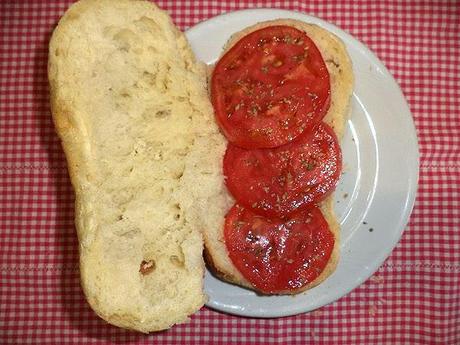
340,69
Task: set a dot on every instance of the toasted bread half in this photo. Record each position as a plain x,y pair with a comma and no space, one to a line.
341,75
129,103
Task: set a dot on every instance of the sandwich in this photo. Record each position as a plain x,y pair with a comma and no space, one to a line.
145,153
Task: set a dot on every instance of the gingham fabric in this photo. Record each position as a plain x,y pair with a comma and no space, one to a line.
414,298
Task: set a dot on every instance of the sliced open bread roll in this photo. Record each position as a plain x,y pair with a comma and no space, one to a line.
339,66
130,105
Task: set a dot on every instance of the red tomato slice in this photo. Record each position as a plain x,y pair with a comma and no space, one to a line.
279,181
271,86
278,256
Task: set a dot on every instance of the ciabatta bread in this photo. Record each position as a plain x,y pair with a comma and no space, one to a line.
144,153
339,66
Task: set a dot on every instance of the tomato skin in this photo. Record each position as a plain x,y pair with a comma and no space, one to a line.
278,256
277,182
270,92
270,87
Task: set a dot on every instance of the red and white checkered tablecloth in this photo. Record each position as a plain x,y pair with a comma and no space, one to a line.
414,298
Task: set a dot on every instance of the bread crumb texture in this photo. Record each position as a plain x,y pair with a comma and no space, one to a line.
130,105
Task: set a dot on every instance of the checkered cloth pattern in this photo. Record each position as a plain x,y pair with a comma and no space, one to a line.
414,297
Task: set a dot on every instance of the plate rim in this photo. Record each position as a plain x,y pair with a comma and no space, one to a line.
411,191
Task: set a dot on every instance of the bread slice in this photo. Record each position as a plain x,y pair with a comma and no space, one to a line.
341,75
129,103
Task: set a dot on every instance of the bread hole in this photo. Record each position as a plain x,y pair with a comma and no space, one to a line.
180,174
333,62
158,156
148,77
147,267
125,39
148,24
56,52
125,94
128,233
122,196
182,152
188,65
177,212
161,114
176,261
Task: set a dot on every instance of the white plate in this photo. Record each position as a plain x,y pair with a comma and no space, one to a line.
380,180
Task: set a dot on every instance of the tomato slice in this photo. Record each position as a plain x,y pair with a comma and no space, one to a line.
275,255
270,87
279,181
